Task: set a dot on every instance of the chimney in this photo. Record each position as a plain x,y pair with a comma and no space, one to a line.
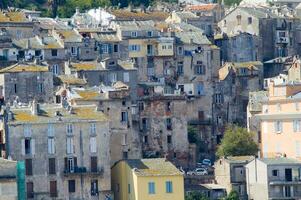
35,107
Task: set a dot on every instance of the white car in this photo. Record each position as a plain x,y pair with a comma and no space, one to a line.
198,171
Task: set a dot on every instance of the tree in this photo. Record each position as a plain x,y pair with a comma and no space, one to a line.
233,195
195,196
237,141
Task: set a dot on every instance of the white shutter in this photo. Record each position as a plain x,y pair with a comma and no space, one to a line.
51,146
93,145
23,146
33,146
126,77
68,146
71,145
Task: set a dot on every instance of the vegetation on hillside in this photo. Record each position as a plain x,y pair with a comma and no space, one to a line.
237,141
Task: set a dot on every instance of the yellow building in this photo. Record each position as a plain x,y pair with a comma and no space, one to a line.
147,179
280,122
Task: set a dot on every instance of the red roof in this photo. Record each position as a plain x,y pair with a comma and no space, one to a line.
203,7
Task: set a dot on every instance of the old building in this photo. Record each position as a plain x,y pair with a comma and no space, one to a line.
273,178
147,179
230,172
65,150
23,82
107,72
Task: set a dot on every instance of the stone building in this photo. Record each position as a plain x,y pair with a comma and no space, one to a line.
8,180
24,82
230,172
115,102
231,96
65,150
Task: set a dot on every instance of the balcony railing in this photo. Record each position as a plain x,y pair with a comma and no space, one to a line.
204,122
83,170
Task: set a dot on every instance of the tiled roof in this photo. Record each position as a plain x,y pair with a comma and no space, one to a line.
153,167
38,43
128,15
136,25
194,37
106,37
202,7
86,66
28,67
70,35
71,80
184,15
13,17
47,114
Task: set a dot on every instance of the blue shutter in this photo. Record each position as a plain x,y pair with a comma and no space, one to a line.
110,48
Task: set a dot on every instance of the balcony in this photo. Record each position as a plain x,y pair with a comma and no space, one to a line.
295,181
201,122
83,171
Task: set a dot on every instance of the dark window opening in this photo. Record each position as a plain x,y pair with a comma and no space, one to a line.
94,188
169,139
52,166
71,186
53,189
54,52
28,167
94,164
27,146
29,190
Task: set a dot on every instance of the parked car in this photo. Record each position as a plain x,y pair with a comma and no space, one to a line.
207,162
198,171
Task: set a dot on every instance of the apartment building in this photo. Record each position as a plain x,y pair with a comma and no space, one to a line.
273,178
279,122
65,150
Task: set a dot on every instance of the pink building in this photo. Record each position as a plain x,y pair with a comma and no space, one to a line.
280,122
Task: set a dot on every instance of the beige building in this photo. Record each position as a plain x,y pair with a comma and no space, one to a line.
8,180
230,173
65,150
279,122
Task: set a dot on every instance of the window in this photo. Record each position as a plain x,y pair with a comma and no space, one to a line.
129,188
288,191
73,51
149,49
180,68
296,125
169,46
250,19
113,77
69,129
115,48
218,98
93,148
163,47
168,124
53,189
40,87
278,106
168,186
124,139
50,131
278,126
168,106
29,190
94,188
51,166
71,186
15,88
70,164
94,164
151,188
145,139
149,33
140,106
126,77
238,18
180,50
200,68
105,48
134,47
51,145
275,172
55,69
134,34
54,52
200,89
28,167
27,146
93,129
169,139
124,155
70,147
124,116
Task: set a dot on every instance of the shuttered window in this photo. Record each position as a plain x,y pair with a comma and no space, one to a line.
51,146
93,148
53,189
70,147
51,164
93,164
28,167
29,190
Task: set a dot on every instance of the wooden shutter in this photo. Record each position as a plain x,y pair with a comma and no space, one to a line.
94,164
75,161
66,163
51,166
93,145
28,167
33,146
53,189
23,147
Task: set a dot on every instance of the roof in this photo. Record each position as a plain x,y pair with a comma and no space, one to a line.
259,12
88,94
86,66
239,159
71,80
212,186
228,66
8,168
38,43
106,37
128,15
13,17
202,7
153,167
184,15
256,99
194,37
136,25
27,67
70,35
47,114
280,161
51,24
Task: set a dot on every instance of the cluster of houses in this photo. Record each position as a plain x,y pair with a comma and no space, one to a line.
99,105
